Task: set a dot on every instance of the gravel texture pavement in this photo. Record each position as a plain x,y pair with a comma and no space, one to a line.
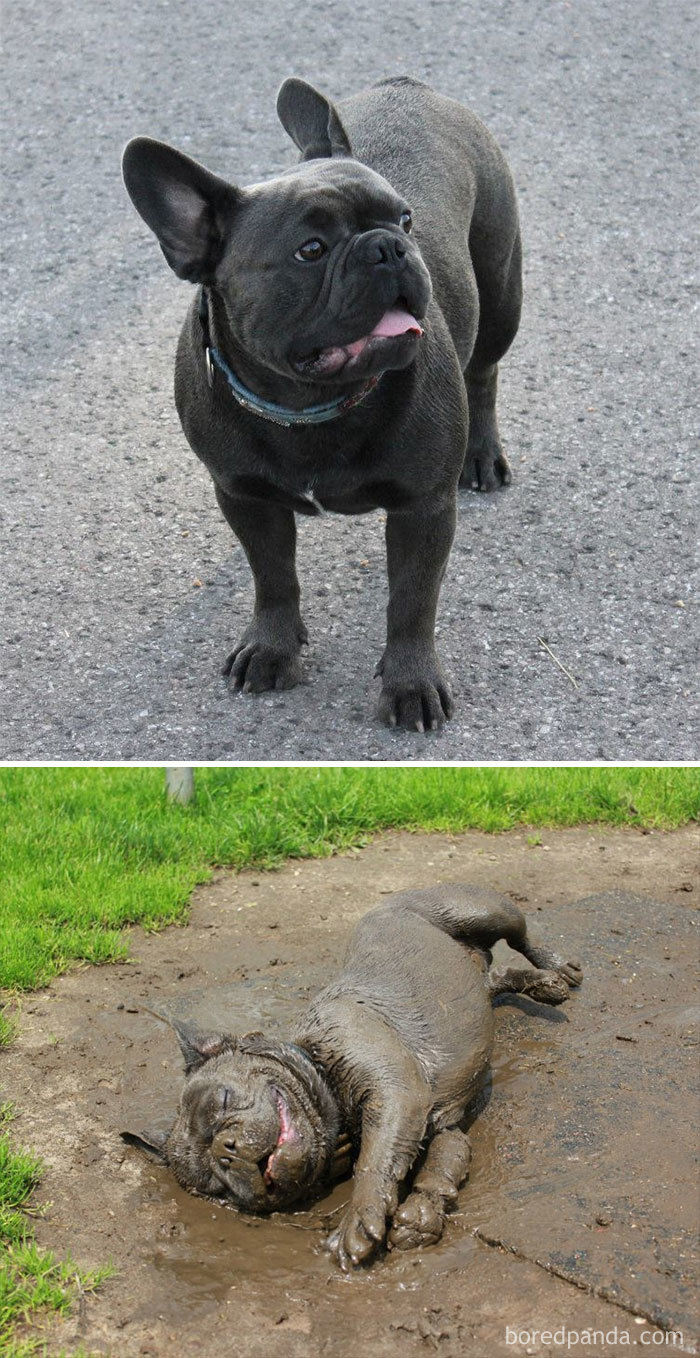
121,588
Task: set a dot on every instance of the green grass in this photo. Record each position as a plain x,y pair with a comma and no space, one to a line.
86,852
32,1280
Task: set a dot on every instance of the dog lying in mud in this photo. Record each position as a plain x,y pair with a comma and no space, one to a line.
381,1069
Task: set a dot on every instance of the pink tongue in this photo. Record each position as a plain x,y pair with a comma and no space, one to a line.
397,322
393,322
287,1132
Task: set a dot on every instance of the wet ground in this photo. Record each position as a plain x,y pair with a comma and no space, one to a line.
581,1205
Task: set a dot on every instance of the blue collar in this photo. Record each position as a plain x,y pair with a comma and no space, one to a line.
268,410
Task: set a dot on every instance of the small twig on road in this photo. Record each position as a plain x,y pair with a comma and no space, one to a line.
563,668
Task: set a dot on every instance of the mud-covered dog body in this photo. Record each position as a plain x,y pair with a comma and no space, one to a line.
391,252
380,1072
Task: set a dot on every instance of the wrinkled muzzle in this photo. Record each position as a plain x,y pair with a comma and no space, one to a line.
263,1168
377,300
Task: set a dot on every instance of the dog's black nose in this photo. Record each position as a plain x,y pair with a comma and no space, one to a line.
223,1147
382,247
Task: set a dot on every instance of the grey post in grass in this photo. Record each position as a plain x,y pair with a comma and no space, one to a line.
179,783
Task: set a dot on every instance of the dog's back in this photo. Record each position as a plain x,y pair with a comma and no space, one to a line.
453,173
425,985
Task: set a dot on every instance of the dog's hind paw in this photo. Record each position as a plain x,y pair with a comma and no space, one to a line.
486,466
572,973
547,987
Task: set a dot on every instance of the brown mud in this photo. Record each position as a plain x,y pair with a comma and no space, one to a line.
581,1204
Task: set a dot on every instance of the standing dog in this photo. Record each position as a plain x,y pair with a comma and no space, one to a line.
384,1062
342,351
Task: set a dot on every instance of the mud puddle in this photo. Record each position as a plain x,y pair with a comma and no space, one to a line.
580,1207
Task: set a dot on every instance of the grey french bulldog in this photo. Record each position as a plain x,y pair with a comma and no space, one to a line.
342,351
380,1072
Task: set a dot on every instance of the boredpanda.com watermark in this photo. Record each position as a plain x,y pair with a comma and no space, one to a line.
602,1340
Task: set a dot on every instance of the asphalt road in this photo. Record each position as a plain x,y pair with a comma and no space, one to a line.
121,587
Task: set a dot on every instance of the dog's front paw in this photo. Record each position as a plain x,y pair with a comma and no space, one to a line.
361,1230
416,696
267,656
486,466
418,1221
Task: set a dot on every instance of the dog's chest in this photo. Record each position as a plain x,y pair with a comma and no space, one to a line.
318,494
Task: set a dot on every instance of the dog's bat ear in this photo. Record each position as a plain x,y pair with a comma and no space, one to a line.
151,1143
196,1046
186,206
312,121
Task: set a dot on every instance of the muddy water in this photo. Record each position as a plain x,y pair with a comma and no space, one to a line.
210,1248
565,1119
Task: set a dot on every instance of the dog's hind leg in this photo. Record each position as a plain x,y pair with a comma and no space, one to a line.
420,1220
480,916
500,292
547,987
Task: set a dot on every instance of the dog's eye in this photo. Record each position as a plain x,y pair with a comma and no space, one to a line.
310,250
406,221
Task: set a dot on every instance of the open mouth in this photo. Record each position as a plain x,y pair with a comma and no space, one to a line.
396,324
266,1164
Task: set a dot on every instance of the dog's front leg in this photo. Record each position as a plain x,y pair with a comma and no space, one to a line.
267,655
421,1218
415,692
393,1125
380,1082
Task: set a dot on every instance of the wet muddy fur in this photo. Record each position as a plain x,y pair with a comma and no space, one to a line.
378,1075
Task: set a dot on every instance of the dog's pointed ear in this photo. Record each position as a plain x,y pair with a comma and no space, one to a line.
198,1047
186,206
312,121
151,1143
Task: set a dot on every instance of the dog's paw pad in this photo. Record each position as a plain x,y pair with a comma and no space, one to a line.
572,973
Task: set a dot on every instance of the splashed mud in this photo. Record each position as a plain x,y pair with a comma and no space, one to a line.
579,1211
